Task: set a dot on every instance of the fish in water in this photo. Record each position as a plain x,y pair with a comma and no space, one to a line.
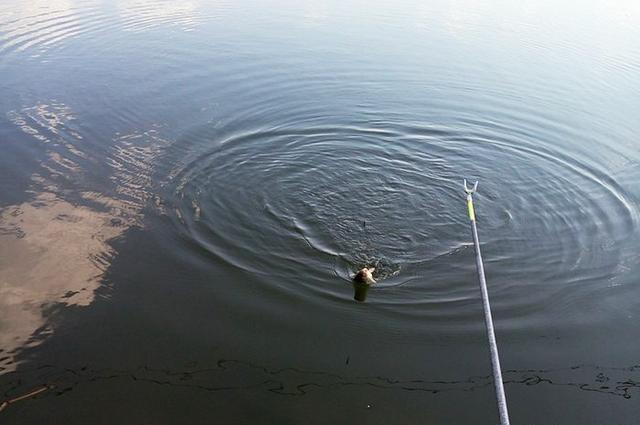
365,275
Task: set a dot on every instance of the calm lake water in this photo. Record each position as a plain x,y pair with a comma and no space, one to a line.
187,187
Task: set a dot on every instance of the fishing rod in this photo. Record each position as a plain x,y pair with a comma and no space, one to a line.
488,321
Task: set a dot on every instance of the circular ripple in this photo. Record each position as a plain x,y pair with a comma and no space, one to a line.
337,192
307,205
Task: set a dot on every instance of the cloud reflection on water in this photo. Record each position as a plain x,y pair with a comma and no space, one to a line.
55,250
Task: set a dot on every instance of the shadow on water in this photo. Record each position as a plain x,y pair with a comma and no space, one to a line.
137,345
179,311
198,296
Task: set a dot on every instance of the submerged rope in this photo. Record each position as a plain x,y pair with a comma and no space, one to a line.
493,345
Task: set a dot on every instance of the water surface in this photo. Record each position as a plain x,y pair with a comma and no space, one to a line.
188,187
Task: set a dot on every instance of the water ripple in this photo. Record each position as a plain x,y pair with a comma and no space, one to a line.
308,204
58,23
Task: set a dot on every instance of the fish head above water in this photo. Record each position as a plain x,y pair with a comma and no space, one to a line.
365,275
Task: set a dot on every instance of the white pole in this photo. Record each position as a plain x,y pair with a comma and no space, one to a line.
488,321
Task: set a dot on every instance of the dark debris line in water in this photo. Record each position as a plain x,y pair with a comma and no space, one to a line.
222,376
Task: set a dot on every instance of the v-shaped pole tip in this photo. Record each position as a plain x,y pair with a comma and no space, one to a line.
468,189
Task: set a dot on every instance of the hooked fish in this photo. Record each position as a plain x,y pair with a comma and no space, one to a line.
365,275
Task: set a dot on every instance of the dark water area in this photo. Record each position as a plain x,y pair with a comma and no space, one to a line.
187,188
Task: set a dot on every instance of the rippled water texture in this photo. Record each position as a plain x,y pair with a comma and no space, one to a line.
188,188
